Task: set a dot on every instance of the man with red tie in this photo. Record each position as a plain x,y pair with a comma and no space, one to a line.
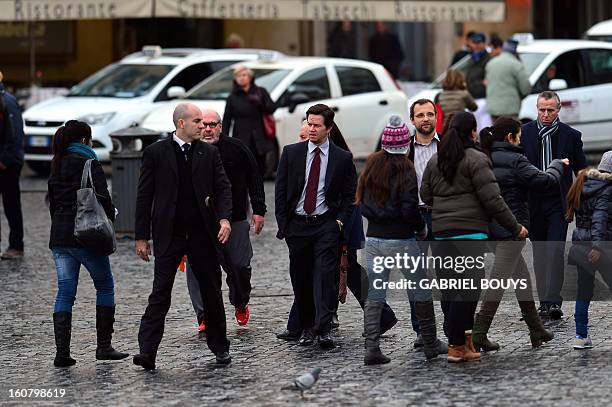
314,194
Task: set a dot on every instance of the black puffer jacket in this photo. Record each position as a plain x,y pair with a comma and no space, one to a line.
400,217
516,176
594,217
62,198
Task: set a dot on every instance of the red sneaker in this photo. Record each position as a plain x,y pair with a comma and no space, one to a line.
202,327
242,315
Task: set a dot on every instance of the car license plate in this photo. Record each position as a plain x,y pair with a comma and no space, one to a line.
39,141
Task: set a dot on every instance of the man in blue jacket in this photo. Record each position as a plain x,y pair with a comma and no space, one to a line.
11,162
544,140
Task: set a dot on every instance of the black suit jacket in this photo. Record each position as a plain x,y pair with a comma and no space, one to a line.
569,146
340,183
158,190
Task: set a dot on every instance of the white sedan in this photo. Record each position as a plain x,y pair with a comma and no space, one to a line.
363,95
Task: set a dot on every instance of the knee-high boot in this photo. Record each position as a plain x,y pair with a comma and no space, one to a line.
105,318
371,324
427,320
62,325
537,333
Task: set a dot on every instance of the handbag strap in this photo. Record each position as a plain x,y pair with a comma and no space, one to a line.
87,175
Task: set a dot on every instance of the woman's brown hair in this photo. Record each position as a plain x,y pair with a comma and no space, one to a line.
454,80
574,194
380,168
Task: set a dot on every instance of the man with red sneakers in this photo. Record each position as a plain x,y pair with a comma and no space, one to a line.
242,171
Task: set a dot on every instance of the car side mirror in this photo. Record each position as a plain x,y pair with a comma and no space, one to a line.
296,99
557,84
176,92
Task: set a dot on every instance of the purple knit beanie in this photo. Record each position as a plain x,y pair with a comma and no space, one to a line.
396,136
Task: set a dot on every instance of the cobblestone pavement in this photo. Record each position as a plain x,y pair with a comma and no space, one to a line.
186,375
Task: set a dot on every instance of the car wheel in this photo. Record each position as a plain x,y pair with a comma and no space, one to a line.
41,168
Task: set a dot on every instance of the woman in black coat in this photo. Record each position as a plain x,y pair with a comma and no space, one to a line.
71,150
515,176
244,109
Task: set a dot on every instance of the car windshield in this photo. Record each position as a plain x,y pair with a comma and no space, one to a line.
531,60
220,85
122,81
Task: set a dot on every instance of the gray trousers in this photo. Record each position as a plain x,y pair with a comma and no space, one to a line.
238,254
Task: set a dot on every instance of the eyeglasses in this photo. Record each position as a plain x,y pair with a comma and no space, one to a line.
210,125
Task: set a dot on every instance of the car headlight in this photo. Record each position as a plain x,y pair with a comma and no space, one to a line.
95,119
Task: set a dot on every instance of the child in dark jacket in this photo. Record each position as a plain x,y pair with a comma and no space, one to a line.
590,200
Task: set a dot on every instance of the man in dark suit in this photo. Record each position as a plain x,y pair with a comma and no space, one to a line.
543,140
176,177
314,194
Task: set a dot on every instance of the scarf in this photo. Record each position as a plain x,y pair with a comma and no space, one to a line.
82,149
546,133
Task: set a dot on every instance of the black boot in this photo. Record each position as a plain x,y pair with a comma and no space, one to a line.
62,325
427,320
105,317
371,324
537,332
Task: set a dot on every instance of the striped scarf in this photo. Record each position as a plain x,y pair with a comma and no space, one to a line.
546,133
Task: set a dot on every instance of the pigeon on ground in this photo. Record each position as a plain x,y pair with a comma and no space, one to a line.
305,381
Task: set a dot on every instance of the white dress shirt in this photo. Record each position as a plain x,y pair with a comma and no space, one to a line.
320,207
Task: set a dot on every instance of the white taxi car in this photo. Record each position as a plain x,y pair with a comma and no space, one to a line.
580,72
122,93
363,95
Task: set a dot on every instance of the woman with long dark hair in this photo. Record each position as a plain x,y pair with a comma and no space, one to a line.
387,192
244,111
459,184
590,201
71,149
515,176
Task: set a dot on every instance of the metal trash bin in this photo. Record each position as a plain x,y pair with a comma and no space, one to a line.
126,156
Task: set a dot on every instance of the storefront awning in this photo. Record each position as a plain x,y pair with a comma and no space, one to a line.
317,10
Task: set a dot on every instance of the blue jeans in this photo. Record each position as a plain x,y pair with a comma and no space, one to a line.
68,262
376,248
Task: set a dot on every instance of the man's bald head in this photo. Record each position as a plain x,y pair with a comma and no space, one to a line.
187,118
210,113
211,122
183,111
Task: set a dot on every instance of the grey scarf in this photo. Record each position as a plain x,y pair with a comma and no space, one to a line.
546,133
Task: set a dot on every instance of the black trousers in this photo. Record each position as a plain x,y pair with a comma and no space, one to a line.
11,200
205,266
313,261
547,232
357,283
459,305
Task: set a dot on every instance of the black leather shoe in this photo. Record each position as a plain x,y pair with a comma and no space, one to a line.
223,358
144,360
288,335
307,338
326,341
555,312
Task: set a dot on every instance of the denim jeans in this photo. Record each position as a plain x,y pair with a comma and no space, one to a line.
68,262
376,248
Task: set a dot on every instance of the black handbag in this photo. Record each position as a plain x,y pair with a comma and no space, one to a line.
92,228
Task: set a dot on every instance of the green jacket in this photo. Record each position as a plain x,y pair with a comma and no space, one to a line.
507,85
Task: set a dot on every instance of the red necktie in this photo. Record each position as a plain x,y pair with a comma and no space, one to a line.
310,200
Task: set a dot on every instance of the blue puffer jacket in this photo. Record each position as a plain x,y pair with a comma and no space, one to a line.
594,217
